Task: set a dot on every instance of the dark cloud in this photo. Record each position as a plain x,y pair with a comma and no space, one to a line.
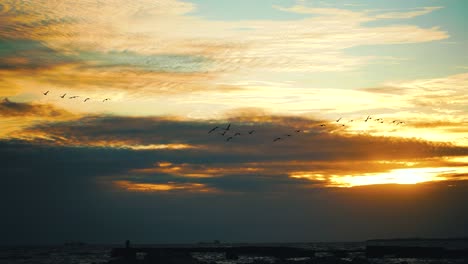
234,191
52,194
330,143
14,109
185,153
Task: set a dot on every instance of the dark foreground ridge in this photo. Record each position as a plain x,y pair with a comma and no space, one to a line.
280,254
184,254
414,252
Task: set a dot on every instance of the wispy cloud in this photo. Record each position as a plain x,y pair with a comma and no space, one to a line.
364,15
176,40
408,14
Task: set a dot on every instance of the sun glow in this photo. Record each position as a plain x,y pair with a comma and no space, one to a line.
396,176
409,175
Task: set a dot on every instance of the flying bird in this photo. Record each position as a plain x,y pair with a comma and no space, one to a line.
106,99
63,96
73,97
237,134
297,131
228,126
368,117
86,99
251,132
229,138
322,125
46,93
338,120
276,139
224,133
213,129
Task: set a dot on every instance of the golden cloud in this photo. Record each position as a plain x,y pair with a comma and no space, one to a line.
163,187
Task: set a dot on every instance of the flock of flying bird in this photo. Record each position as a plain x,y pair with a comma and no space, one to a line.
75,96
228,128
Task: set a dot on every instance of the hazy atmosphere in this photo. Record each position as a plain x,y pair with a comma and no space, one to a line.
167,121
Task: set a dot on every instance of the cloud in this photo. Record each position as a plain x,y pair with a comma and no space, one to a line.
437,103
363,15
147,49
321,11
186,153
92,167
166,187
408,15
272,45
15,115
167,130
28,54
166,178
84,181
15,109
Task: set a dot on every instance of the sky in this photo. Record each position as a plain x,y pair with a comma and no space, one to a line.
169,121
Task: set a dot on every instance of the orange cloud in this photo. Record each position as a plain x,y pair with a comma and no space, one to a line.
198,170
166,187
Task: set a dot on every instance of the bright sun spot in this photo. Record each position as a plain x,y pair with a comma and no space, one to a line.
396,176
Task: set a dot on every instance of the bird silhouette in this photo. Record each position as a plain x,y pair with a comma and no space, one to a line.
297,131
338,120
107,99
323,125
237,134
86,99
73,97
45,93
251,132
276,139
213,129
368,117
228,126
224,133
63,96
228,139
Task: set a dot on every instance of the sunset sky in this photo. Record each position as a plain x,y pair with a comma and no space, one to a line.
357,112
